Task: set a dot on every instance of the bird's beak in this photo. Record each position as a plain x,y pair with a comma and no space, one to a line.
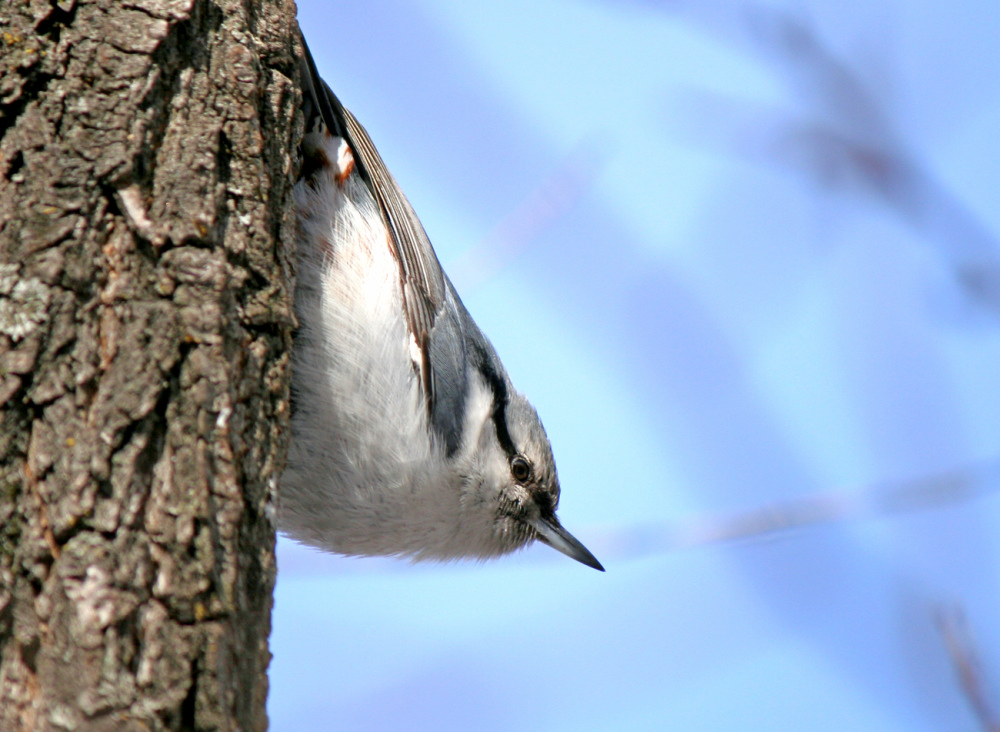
552,533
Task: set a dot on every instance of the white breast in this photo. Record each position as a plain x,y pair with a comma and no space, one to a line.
351,366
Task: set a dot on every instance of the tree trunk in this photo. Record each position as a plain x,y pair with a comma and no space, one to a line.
146,165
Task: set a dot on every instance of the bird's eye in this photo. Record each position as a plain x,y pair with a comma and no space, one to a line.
520,468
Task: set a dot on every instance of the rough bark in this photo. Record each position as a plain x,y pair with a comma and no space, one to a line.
145,321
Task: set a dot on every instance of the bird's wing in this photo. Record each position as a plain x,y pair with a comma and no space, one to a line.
429,303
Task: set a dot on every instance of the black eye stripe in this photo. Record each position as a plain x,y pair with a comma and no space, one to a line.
498,386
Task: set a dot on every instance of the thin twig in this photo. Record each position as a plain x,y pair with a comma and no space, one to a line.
842,137
950,487
965,659
553,198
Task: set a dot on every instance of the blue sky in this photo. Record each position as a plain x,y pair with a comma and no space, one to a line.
720,246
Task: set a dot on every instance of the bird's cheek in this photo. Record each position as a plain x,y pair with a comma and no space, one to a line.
512,532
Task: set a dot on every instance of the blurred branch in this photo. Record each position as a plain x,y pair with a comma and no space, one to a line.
965,659
922,494
561,189
842,138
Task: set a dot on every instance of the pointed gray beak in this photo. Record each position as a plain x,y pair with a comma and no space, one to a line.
553,534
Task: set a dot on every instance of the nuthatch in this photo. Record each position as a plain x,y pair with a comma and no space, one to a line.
408,437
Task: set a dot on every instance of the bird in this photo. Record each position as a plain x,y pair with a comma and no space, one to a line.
408,438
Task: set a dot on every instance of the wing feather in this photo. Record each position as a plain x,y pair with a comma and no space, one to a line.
426,296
